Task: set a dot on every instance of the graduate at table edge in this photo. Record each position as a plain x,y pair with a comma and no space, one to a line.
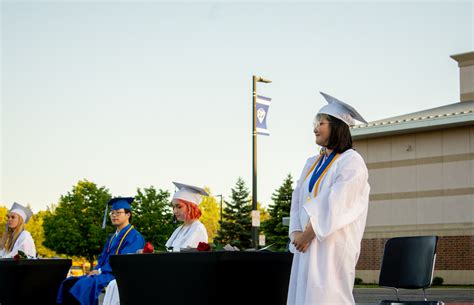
185,208
16,238
328,212
125,240
185,204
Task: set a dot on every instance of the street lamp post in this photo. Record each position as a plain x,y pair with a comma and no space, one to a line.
255,80
220,195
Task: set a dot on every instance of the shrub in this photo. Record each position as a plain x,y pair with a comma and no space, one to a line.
437,281
358,281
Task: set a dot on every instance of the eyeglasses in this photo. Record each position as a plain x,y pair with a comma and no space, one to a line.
116,213
317,124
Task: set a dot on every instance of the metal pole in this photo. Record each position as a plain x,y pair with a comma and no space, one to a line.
254,158
221,207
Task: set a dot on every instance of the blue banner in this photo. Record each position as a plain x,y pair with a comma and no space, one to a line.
263,103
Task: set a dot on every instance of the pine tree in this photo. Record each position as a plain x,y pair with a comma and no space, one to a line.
237,225
275,232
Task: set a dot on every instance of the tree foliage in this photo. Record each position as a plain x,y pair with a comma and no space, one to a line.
274,230
74,228
3,219
210,217
236,226
264,215
35,227
152,216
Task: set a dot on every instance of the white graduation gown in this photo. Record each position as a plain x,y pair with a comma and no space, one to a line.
185,236
23,243
111,294
325,273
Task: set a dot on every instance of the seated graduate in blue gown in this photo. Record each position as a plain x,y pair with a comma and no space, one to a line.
185,204
86,289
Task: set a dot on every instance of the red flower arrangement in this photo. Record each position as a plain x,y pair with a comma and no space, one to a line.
203,247
19,255
148,248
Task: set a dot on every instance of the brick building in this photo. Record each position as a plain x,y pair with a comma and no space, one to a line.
421,172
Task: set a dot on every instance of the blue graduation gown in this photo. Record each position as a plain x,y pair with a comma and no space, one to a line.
88,288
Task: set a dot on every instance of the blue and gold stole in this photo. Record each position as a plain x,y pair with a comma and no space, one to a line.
121,240
320,172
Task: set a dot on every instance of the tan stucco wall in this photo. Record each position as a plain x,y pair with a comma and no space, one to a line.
419,179
467,79
421,184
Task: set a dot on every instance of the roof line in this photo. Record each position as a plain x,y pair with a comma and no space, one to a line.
365,131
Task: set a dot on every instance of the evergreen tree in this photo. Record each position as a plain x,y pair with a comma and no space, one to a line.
237,224
152,216
274,230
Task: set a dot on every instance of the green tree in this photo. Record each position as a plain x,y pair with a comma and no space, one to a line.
210,215
274,230
152,216
236,225
74,228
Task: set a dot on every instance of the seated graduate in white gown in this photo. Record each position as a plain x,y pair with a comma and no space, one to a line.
185,205
16,238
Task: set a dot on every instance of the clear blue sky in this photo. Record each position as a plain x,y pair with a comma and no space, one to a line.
130,95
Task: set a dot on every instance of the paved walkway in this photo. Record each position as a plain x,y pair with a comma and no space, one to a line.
447,295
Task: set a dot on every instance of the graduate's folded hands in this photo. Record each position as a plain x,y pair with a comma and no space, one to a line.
93,272
302,240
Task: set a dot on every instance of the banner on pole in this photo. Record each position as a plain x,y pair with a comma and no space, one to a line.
262,106
255,218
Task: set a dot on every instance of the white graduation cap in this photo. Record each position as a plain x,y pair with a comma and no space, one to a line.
341,110
189,193
23,211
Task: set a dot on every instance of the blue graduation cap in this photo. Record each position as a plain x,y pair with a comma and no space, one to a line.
117,204
121,203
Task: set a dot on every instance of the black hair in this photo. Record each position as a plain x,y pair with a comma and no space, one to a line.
129,212
340,138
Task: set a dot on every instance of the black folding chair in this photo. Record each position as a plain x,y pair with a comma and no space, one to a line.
408,263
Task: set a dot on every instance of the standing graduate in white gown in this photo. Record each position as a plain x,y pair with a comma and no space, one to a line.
16,238
185,206
328,212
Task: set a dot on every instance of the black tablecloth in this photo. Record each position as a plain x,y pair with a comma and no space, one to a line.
207,278
27,282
